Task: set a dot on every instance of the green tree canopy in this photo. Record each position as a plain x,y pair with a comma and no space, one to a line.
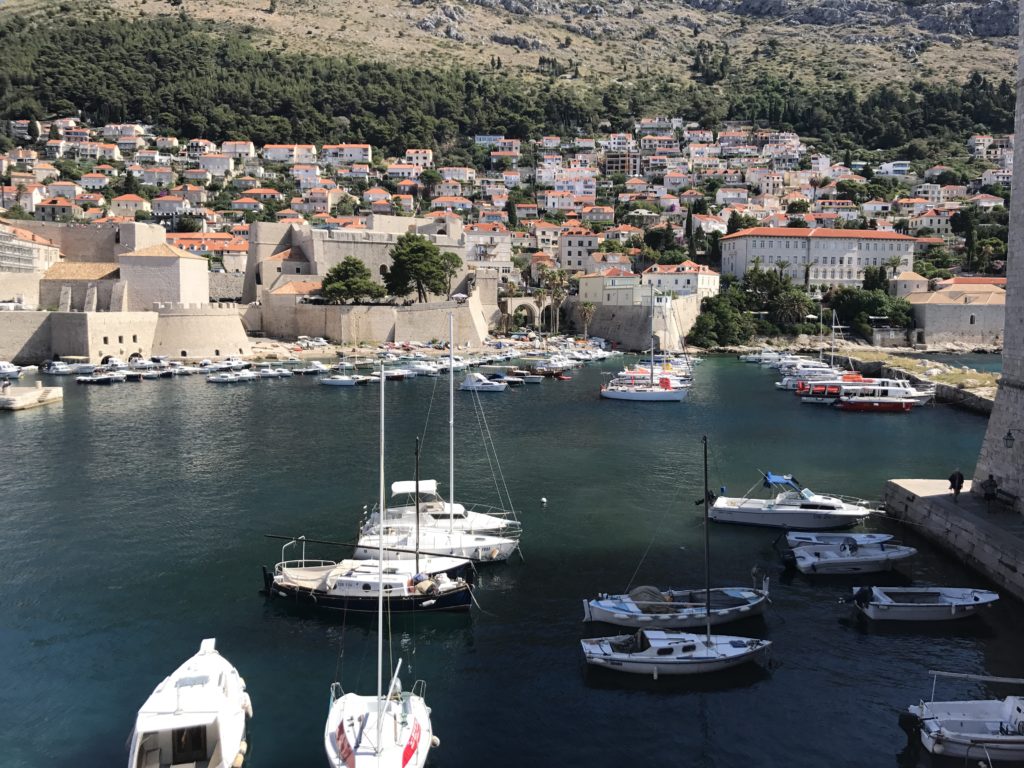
418,265
350,281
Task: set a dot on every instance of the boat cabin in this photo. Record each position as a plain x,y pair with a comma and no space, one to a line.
431,501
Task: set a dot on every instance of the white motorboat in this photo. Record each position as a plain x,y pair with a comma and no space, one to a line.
339,380
228,377
793,507
102,378
676,608
391,728
424,368
196,717
477,382
977,732
658,652
435,512
9,370
801,538
921,603
849,557
315,368
57,368
246,374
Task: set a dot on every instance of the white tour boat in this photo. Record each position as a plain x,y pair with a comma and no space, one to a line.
195,717
977,732
849,557
792,507
921,603
9,370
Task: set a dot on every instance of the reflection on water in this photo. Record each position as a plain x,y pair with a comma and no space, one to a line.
133,527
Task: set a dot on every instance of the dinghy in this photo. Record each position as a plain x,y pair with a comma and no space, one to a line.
849,557
197,716
921,603
982,731
802,538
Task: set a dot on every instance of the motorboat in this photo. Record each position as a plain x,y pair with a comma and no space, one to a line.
831,390
424,368
9,370
339,380
797,382
435,512
658,652
978,731
764,356
849,557
676,608
315,368
102,378
430,583
792,507
245,374
870,402
392,727
505,378
803,538
57,368
921,603
228,377
477,382
196,717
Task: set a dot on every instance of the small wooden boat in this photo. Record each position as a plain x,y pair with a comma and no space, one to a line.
984,731
849,557
659,652
802,538
921,603
676,608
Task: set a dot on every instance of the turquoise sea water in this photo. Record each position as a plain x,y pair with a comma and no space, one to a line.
133,521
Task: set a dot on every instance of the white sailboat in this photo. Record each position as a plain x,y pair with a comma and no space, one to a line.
196,716
665,652
425,499
398,535
391,728
664,389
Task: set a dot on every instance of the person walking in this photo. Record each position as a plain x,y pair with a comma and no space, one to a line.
956,484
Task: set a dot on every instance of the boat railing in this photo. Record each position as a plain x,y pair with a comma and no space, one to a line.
470,506
419,688
285,564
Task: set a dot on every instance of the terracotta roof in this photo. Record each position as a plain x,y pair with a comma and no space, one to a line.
82,270
297,288
163,250
1000,281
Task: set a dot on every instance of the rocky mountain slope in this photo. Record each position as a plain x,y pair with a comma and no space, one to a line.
859,42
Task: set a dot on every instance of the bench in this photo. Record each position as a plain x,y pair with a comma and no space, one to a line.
1005,497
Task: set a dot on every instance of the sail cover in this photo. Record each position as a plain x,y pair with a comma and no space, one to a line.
651,600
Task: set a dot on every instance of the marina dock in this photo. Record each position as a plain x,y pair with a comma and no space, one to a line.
20,398
986,537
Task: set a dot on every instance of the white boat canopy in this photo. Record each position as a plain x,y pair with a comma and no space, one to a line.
408,488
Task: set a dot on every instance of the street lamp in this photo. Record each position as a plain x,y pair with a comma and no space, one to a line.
1009,439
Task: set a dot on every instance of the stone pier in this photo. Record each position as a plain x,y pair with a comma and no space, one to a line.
21,398
986,537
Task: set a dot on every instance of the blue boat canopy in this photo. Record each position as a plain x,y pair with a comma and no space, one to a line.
771,479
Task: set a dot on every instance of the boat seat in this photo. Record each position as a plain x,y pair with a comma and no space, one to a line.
150,759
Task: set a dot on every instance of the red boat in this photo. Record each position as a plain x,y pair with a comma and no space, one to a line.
876,404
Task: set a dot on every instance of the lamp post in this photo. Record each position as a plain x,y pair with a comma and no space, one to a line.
1009,439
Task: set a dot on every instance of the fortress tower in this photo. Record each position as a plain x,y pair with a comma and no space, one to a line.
1007,463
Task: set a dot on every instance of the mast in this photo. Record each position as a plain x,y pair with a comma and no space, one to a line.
417,505
451,419
380,576
707,549
652,335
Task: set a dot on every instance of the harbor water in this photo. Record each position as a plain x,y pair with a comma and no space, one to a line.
134,520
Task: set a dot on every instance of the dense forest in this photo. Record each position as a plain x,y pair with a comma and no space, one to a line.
188,80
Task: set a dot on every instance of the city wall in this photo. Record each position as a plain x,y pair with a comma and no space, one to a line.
24,337
97,242
20,285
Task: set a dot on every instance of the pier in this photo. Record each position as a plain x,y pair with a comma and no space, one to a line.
20,398
987,536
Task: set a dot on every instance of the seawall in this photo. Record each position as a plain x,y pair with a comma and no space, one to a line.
989,540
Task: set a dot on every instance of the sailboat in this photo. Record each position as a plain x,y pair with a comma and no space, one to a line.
396,534
665,652
391,728
645,388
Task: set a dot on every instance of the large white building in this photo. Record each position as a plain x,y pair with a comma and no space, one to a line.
683,279
832,256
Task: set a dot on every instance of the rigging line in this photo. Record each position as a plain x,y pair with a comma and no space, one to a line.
489,442
638,565
341,648
430,405
478,412
472,596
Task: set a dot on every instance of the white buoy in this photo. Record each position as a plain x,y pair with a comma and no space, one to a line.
544,501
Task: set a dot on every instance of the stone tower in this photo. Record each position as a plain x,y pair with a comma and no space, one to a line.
1007,464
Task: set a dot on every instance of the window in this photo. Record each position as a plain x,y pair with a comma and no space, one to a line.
135,339
972,319
184,353
106,340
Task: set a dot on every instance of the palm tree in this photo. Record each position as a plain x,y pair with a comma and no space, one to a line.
783,266
539,295
893,263
556,282
587,310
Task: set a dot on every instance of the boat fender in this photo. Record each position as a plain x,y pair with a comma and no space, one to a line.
237,762
435,742
1020,727
494,553
247,706
243,748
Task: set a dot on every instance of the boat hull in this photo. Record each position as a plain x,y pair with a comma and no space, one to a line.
645,395
789,520
991,740
921,604
874,406
459,599
621,611
829,560
727,653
